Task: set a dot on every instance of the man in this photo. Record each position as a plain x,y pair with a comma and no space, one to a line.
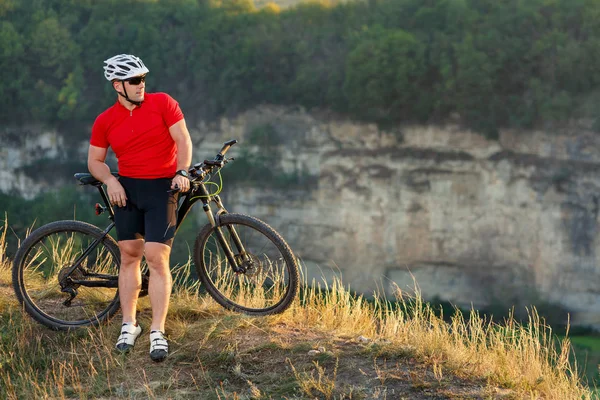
150,139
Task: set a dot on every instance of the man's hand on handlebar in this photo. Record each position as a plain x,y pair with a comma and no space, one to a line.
199,171
180,182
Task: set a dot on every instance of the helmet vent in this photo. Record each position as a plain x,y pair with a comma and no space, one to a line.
124,66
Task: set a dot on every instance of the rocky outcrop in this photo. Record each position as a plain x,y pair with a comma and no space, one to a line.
22,147
472,221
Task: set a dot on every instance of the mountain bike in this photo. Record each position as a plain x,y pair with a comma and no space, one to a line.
65,273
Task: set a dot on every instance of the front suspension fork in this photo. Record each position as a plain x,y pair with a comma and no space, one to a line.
215,223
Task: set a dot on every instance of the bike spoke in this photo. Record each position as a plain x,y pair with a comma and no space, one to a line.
264,283
49,261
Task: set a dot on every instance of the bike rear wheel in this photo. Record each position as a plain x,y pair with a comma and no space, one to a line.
270,281
43,261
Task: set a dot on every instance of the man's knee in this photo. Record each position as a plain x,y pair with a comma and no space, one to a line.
131,251
157,255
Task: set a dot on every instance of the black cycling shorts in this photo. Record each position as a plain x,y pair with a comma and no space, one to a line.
150,212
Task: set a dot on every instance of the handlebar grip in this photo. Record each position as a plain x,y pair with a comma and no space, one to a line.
213,163
225,148
171,191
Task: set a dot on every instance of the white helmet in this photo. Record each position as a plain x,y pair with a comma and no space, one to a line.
124,66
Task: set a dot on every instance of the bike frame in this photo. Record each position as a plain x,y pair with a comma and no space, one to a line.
197,192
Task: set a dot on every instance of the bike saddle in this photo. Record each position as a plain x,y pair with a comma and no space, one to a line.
85,178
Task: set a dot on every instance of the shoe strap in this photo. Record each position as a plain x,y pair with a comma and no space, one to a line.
158,341
129,333
128,328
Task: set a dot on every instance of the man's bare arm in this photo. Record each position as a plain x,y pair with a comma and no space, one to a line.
96,164
181,136
101,171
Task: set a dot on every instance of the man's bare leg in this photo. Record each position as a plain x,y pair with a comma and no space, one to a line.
130,279
161,282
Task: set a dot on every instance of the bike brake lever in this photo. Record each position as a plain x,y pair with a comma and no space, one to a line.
171,191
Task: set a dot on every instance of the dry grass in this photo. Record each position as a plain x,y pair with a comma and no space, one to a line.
405,351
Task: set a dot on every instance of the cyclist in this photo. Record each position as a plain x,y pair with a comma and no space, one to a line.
149,137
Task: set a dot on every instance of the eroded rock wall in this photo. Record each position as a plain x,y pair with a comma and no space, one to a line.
472,221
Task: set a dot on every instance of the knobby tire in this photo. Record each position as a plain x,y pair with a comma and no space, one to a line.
203,258
22,279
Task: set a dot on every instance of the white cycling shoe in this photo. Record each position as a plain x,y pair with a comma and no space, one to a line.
159,347
129,333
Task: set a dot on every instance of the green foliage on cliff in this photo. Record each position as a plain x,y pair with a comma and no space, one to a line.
491,64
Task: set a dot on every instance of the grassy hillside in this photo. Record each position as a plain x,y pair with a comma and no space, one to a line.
330,345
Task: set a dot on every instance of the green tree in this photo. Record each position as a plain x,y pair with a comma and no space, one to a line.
14,72
496,64
473,86
53,56
382,75
5,6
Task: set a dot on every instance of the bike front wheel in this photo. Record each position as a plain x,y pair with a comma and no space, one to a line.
56,298
268,281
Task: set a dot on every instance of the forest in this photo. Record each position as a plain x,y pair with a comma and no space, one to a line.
486,64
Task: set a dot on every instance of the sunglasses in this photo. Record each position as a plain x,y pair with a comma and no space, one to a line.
136,80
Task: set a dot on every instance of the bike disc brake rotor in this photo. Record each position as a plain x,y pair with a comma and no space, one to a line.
249,263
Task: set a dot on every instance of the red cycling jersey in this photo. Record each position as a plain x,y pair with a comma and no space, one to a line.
140,138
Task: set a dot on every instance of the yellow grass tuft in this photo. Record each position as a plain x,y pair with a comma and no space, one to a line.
321,384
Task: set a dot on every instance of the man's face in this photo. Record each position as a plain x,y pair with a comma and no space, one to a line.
135,87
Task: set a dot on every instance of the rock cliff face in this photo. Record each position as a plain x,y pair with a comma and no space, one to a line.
26,147
473,221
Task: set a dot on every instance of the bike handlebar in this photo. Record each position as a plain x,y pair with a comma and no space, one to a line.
207,166
225,148
218,162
